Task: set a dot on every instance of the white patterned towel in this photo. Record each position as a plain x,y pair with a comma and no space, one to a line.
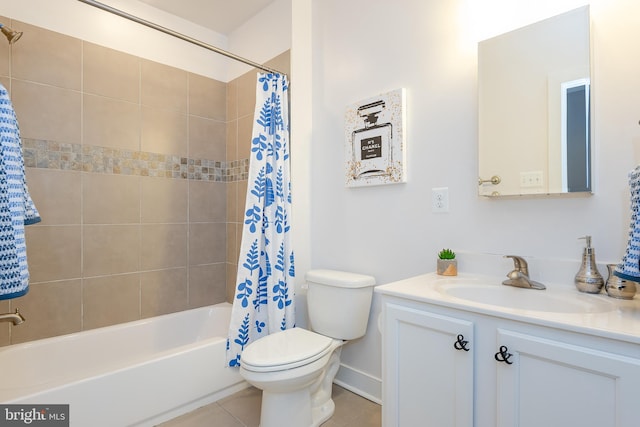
629,268
16,207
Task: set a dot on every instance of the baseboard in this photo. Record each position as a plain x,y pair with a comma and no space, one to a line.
360,383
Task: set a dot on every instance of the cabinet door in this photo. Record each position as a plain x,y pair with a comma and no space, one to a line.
551,383
427,373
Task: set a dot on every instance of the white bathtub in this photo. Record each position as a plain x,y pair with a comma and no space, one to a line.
133,374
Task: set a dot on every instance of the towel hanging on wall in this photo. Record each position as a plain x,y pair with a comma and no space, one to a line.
16,207
629,267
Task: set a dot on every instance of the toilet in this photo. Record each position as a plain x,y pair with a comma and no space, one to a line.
295,368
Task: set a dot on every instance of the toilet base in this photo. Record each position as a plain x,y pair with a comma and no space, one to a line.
296,405
305,402
298,412
322,413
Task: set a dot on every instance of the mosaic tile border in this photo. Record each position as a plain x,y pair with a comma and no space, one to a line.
45,154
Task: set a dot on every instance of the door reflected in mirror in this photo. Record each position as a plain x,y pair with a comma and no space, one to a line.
534,115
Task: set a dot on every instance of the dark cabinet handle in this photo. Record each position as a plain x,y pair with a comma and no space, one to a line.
503,355
461,344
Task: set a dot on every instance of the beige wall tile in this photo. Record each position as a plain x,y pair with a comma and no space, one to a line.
5,328
232,100
232,244
110,249
232,271
242,197
238,243
207,97
164,200
207,138
232,201
207,285
207,243
232,140
111,123
56,194
53,252
5,48
110,300
163,86
246,87
110,199
97,263
207,201
111,73
6,82
163,246
245,130
47,112
51,309
281,62
47,57
163,291
164,131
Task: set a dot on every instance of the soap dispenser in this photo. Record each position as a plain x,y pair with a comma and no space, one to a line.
588,279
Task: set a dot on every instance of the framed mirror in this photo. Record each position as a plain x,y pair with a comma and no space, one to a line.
534,115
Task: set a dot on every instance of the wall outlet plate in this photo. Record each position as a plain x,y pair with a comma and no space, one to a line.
440,199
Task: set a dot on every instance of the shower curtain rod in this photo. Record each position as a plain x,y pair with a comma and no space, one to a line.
170,32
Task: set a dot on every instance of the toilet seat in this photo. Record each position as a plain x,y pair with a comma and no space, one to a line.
284,350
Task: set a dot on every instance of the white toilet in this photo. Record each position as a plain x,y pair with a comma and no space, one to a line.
295,368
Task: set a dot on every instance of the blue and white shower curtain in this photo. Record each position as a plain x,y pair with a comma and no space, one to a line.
264,294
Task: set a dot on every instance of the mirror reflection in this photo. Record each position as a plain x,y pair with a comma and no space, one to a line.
534,108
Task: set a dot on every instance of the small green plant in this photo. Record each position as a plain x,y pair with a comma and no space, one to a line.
447,254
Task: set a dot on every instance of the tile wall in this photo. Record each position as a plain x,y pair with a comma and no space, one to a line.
138,170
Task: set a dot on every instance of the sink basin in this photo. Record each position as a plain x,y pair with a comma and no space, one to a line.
527,299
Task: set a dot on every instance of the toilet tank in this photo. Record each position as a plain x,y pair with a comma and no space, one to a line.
339,302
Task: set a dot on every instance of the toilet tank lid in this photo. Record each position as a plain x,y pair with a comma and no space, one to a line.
340,278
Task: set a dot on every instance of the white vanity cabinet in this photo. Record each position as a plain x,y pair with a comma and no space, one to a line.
556,382
446,366
428,368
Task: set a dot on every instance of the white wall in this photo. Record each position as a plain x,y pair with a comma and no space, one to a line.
365,47
262,37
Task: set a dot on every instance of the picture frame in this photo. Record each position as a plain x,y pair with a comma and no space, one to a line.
375,146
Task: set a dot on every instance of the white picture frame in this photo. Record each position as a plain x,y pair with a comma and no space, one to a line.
375,146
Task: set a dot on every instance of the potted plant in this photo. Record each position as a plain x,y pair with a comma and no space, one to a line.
447,263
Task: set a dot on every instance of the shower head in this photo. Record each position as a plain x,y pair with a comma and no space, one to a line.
10,34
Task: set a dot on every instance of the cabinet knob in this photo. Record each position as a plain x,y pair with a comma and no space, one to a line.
503,355
461,344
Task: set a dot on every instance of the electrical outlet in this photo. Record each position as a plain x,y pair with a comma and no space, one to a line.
531,179
440,199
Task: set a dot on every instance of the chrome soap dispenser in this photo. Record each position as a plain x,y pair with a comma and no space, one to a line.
588,279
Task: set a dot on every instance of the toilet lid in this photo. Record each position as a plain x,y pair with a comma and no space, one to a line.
285,350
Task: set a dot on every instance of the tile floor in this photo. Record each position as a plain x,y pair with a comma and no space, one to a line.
243,410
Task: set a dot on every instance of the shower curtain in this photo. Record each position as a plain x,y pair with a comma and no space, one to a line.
263,301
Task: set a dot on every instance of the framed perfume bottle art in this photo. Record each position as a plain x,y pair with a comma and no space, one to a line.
375,140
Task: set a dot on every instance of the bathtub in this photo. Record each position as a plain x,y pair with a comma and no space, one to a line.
133,374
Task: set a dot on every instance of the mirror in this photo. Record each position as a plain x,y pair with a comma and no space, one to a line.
534,108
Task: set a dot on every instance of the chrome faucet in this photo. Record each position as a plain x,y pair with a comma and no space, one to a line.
16,318
519,276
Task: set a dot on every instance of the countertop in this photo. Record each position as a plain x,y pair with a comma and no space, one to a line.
594,314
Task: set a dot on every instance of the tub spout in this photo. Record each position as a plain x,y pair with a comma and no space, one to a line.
16,318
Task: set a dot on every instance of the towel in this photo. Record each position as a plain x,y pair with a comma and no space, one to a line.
629,267
16,207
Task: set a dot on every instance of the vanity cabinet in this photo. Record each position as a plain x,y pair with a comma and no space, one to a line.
547,382
428,361
451,367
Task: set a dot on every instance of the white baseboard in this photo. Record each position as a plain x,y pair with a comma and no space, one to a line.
360,383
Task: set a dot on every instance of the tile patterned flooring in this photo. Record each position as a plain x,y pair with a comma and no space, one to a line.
242,409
